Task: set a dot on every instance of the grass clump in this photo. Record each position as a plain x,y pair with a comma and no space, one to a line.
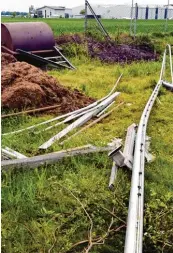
44,213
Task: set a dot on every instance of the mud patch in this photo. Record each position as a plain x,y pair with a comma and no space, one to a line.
25,86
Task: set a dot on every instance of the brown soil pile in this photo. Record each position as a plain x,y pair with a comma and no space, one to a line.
6,59
25,86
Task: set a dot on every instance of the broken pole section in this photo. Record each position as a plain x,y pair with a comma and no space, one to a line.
113,176
11,154
51,158
125,158
91,124
81,121
105,33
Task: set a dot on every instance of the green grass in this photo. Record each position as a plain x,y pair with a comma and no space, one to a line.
113,26
39,212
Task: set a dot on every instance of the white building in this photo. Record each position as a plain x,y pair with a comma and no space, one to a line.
54,12
68,13
79,16
124,11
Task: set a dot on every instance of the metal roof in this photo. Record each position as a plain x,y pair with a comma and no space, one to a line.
53,7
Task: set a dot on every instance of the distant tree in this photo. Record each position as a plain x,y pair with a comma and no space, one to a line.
82,12
32,9
14,14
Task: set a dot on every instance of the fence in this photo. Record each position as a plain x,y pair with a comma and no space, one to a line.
132,18
157,18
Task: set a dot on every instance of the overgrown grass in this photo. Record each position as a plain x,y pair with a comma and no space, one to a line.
113,26
40,212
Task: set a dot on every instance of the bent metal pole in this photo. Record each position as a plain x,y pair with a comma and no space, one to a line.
80,121
134,232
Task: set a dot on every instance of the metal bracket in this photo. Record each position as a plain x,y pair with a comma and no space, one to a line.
149,157
117,156
125,158
129,146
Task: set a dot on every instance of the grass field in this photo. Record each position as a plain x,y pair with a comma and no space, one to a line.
113,26
41,208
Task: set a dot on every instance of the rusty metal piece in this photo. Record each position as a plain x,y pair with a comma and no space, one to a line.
30,111
8,51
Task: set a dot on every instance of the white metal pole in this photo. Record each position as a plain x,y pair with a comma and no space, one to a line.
86,21
166,23
131,21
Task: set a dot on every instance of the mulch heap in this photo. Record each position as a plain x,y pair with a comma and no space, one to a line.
6,59
110,51
25,86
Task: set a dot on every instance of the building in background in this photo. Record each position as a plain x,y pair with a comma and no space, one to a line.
124,11
54,12
68,13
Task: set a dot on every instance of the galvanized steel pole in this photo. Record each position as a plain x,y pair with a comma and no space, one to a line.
134,232
86,21
80,121
166,23
131,21
135,19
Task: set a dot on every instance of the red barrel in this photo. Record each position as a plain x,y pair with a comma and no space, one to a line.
28,36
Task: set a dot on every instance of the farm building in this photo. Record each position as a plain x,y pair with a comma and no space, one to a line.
54,12
124,11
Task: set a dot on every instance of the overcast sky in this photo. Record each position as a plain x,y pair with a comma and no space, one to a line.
23,5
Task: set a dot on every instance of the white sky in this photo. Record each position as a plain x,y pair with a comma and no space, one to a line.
23,5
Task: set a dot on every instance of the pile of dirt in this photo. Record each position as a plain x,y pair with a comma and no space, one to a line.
6,59
25,86
110,51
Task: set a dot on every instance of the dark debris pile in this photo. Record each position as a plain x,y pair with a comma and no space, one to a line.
109,51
